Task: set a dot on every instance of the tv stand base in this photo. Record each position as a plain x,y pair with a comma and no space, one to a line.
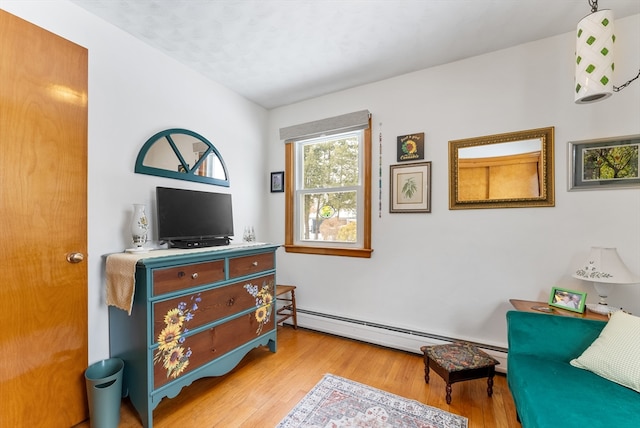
200,243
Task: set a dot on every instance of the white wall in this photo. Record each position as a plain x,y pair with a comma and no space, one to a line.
448,272
452,273
134,92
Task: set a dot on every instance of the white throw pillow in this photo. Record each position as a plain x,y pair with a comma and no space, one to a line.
615,354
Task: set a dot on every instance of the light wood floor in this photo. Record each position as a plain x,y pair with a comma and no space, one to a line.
266,386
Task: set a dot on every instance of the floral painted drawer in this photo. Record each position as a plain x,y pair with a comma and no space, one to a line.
177,355
173,317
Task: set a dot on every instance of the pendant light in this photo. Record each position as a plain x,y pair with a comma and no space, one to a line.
595,65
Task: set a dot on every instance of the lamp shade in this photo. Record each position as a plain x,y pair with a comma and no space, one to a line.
605,266
594,57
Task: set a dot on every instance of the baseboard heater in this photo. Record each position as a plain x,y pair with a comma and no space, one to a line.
385,335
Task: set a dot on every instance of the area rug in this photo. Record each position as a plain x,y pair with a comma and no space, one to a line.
337,402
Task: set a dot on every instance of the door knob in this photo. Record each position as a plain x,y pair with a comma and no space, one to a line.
75,257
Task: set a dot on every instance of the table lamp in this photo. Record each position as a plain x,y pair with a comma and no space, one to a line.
605,268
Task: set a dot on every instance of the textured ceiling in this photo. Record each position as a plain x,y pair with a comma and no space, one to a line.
277,52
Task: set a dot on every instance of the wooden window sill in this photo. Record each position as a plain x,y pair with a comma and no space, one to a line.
330,251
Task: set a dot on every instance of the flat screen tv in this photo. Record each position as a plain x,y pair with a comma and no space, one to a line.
192,219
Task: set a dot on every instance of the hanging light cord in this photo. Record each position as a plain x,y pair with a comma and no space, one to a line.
619,88
594,9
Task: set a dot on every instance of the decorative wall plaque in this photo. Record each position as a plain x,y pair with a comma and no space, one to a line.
411,147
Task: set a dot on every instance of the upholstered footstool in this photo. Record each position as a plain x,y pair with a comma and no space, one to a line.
459,361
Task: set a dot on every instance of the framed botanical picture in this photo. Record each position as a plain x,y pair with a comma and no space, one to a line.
277,182
604,164
567,299
410,190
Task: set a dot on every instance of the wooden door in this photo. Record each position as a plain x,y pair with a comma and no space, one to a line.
43,206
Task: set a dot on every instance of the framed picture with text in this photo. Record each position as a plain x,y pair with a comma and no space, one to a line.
411,147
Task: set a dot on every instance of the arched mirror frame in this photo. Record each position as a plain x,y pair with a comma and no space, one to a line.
547,195
189,173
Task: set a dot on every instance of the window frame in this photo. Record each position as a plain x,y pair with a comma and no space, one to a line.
348,250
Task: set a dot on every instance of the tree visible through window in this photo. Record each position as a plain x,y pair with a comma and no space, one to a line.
328,199
329,188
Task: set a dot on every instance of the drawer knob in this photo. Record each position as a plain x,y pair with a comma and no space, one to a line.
255,263
194,275
231,301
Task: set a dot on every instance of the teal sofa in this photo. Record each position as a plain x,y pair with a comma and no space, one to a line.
547,390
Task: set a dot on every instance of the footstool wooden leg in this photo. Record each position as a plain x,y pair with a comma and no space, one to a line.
426,370
426,363
448,393
490,386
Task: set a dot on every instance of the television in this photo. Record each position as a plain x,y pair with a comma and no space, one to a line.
193,219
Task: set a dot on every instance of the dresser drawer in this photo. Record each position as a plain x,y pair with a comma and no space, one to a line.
247,265
198,309
199,349
181,277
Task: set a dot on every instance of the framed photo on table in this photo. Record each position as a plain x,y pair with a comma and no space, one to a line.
410,190
567,299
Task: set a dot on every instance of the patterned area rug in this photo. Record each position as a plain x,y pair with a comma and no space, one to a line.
337,402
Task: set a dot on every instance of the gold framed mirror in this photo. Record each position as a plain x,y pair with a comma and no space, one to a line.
512,170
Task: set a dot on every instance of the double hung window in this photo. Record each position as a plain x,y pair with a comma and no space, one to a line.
328,193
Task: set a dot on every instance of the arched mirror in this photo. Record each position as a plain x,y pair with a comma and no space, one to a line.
182,154
502,171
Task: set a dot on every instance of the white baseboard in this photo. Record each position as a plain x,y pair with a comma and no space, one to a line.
387,336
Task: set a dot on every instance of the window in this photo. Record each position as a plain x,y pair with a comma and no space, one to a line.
328,193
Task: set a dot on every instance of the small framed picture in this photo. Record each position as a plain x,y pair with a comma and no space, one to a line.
410,189
567,299
277,182
604,164
411,147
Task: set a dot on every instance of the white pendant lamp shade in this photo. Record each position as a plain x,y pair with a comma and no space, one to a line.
594,57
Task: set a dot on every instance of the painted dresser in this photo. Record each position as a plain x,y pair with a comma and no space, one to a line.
193,314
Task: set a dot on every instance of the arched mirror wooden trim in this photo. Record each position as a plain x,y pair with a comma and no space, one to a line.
184,155
511,170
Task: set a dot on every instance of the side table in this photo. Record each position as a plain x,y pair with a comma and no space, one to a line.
543,307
